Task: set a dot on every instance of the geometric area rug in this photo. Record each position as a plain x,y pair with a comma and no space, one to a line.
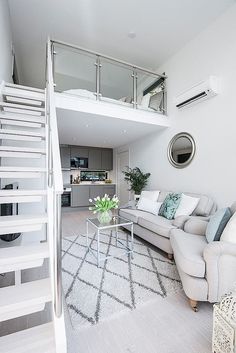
120,283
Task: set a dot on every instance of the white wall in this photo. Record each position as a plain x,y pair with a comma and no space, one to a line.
5,43
212,123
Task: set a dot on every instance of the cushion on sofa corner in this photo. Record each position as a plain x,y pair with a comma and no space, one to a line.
229,233
170,205
217,224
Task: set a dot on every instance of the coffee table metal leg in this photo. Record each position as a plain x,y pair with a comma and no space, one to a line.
116,236
87,242
132,241
98,248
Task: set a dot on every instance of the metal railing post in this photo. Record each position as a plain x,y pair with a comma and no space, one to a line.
98,78
135,85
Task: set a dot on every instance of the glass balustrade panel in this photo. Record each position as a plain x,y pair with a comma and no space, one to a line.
116,83
151,92
74,71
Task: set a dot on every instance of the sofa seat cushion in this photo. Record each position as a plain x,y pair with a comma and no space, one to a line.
188,252
131,214
157,224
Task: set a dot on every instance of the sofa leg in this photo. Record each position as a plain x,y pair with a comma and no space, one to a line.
193,304
170,256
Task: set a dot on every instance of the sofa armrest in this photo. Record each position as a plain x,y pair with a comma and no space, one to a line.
180,221
194,222
220,258
196,225
130,204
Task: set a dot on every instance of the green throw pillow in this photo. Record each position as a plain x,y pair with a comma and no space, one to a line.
170,205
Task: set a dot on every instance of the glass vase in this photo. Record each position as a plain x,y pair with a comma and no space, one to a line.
105,217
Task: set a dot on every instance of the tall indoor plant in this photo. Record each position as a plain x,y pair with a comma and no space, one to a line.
137,179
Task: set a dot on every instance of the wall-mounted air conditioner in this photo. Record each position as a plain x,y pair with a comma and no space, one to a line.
197,93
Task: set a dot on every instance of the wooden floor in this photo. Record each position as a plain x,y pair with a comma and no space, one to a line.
161,326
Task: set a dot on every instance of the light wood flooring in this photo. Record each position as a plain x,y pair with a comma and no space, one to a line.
161,326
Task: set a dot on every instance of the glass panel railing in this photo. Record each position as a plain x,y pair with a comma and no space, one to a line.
90,75
116,83
151,92
74,71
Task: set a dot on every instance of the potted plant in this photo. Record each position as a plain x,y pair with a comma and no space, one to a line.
137,180
103,206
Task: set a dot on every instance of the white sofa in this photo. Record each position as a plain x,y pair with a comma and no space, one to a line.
207,270
157,229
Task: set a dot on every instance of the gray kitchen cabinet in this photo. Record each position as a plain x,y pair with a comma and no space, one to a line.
65,157
79,195
77,151
95,158
95,191
107,159
109,190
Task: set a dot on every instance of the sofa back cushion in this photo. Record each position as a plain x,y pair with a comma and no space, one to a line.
170,205
187,205
151,195
205,207
149,205
217,224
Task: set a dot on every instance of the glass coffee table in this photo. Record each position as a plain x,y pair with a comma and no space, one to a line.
113,226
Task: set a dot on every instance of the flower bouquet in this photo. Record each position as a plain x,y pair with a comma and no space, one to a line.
103,206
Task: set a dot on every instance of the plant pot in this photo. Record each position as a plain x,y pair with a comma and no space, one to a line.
104,217
136,197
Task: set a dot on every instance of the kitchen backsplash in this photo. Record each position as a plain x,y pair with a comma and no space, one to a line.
75,173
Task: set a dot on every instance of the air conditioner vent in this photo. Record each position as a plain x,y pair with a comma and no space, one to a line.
197,93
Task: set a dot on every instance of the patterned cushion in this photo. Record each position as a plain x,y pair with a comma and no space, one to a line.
170,205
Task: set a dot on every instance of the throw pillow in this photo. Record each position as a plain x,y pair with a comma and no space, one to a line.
229,233
151,195
170,205
148,205
145,100
217,224
187,205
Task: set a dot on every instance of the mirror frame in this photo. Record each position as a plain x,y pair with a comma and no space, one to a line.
170,146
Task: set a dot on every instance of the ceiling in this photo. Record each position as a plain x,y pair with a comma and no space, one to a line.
97,130
158,29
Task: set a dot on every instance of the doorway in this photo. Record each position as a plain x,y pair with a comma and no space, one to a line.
122,186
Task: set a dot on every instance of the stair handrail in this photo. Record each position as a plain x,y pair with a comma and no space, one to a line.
55,183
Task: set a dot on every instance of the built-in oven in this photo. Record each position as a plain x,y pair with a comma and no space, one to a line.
66,198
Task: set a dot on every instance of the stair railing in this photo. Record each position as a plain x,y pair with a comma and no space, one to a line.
55,187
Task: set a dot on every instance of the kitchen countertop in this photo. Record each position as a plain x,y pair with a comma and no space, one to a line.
93,184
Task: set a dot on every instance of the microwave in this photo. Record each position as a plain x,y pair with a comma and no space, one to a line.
79,162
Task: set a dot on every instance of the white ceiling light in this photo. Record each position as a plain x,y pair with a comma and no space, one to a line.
131,34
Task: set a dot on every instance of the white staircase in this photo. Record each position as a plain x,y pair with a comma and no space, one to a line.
26,138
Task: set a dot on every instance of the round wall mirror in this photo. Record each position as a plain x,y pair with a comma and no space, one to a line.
181,150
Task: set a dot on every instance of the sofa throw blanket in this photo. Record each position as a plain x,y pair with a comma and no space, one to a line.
170,205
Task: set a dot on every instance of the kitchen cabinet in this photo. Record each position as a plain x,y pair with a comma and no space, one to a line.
95,158
98,158
79,195
65,157
109,190
77,151
95,191
107,159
